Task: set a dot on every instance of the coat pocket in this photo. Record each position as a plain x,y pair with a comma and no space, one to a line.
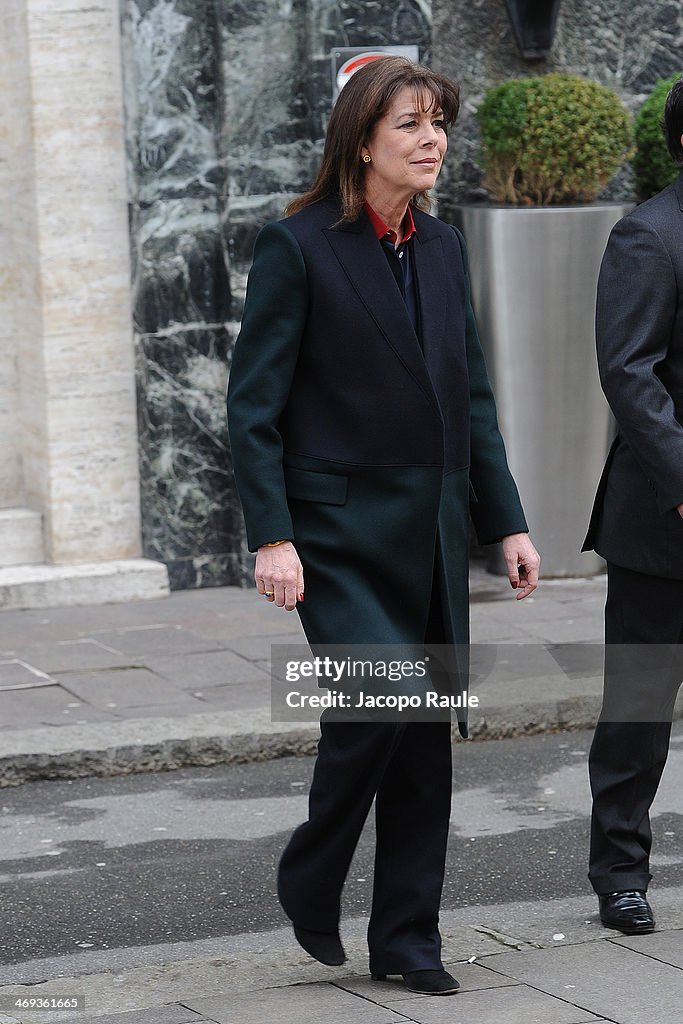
307,485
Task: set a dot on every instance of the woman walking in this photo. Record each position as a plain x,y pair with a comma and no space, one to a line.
363,432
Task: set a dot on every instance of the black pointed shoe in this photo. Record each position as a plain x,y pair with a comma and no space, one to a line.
325,947
427,983
628,911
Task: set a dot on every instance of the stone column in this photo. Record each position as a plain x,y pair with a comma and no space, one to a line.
16,239
66,341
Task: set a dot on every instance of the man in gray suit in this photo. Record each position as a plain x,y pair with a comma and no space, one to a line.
637,526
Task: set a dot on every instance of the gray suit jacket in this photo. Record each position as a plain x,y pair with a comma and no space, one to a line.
639,329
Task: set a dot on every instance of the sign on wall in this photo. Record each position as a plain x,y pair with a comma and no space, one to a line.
348,59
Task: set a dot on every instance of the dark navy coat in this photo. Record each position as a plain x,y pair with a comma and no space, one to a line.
364,446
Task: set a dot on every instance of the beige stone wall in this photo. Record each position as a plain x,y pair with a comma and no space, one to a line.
17,279
65,279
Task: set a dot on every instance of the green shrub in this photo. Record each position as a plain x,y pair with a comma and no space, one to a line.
652,163
552,139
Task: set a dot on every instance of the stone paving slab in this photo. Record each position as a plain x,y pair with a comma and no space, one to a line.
209,669
119,688
71,655
613,981
257,648
184,707
299,1004
491,630
518,1004
231,619
589,628
157,638
16,674
46,706
659,945
550,602
236,696
172,1014
220,610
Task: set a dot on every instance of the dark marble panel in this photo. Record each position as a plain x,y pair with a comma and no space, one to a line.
191,519
226,107
230,569
247,216
180,268
172,110
277,86
622,44
269,138
181,286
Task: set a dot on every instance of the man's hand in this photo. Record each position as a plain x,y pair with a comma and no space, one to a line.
522,560
279,575
679,509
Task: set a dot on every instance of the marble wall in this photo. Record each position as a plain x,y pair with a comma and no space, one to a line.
278,92
624,45
226,106
181,288
226,103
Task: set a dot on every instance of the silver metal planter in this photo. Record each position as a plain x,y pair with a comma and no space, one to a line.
534,275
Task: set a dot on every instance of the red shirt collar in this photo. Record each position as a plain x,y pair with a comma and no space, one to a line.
382,230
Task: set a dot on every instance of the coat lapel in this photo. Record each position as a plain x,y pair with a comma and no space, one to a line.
361,257
678,185
430,268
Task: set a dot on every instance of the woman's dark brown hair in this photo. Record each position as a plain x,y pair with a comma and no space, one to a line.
365,99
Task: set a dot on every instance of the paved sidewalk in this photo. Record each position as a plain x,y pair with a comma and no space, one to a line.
184,680
547,962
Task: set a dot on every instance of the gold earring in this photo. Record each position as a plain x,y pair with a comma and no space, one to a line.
367,158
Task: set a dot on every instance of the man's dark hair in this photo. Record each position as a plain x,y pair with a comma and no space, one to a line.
672,124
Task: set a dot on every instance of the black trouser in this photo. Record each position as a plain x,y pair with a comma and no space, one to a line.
408,768
631,741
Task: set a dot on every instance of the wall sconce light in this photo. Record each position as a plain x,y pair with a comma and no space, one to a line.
533,22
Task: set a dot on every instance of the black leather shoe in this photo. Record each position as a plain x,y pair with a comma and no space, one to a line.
427,983
627,911
325,947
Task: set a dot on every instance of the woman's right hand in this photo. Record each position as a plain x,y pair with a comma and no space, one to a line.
279,575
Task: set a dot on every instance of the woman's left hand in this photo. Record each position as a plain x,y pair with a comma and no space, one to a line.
523,561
